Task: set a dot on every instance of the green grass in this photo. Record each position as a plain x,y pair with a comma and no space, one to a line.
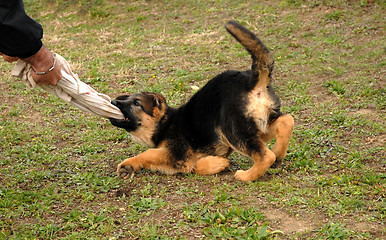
57,164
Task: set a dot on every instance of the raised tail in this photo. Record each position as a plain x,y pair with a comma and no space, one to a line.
262,59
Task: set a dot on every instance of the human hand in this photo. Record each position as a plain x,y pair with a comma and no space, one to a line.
41,62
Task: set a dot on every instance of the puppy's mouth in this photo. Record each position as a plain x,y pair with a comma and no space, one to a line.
127,123
120,121
130,122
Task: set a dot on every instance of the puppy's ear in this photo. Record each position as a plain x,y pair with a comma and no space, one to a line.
157,99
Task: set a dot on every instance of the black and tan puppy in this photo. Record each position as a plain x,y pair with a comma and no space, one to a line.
235,111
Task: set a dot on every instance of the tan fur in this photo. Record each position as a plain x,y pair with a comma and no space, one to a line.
225,144
154,159
262,161
263,79
223,148
265,59
189,164
259,107
145,132
148,124
210,165
281,129
159,159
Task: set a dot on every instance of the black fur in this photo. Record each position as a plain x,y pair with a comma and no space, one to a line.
220,104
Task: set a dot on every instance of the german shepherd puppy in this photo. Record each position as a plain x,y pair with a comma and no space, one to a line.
235,111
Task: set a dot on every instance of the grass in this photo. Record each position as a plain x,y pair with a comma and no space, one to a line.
57,164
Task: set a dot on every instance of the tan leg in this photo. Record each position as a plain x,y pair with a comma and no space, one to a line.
210,165
153,159
281,129
261,164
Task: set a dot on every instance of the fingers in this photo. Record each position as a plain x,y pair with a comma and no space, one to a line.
9,58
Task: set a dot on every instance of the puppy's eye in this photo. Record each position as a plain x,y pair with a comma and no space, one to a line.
136,103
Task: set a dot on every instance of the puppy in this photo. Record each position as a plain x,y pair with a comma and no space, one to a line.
235,111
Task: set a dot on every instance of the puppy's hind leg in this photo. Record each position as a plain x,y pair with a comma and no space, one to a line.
210,165
262,161
281,129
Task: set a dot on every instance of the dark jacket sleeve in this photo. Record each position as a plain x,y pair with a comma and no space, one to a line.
20,35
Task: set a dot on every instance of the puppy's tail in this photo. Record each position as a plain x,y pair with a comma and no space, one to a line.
262,59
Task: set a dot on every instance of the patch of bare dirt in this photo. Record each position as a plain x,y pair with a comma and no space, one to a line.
288,224
377,141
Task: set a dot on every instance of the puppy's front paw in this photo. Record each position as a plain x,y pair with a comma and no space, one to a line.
242,175
124,171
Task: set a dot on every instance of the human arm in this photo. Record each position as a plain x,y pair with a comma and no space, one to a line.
21,39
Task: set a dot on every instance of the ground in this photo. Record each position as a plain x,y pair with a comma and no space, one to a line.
57,164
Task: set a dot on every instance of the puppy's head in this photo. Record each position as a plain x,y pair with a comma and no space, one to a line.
142,111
